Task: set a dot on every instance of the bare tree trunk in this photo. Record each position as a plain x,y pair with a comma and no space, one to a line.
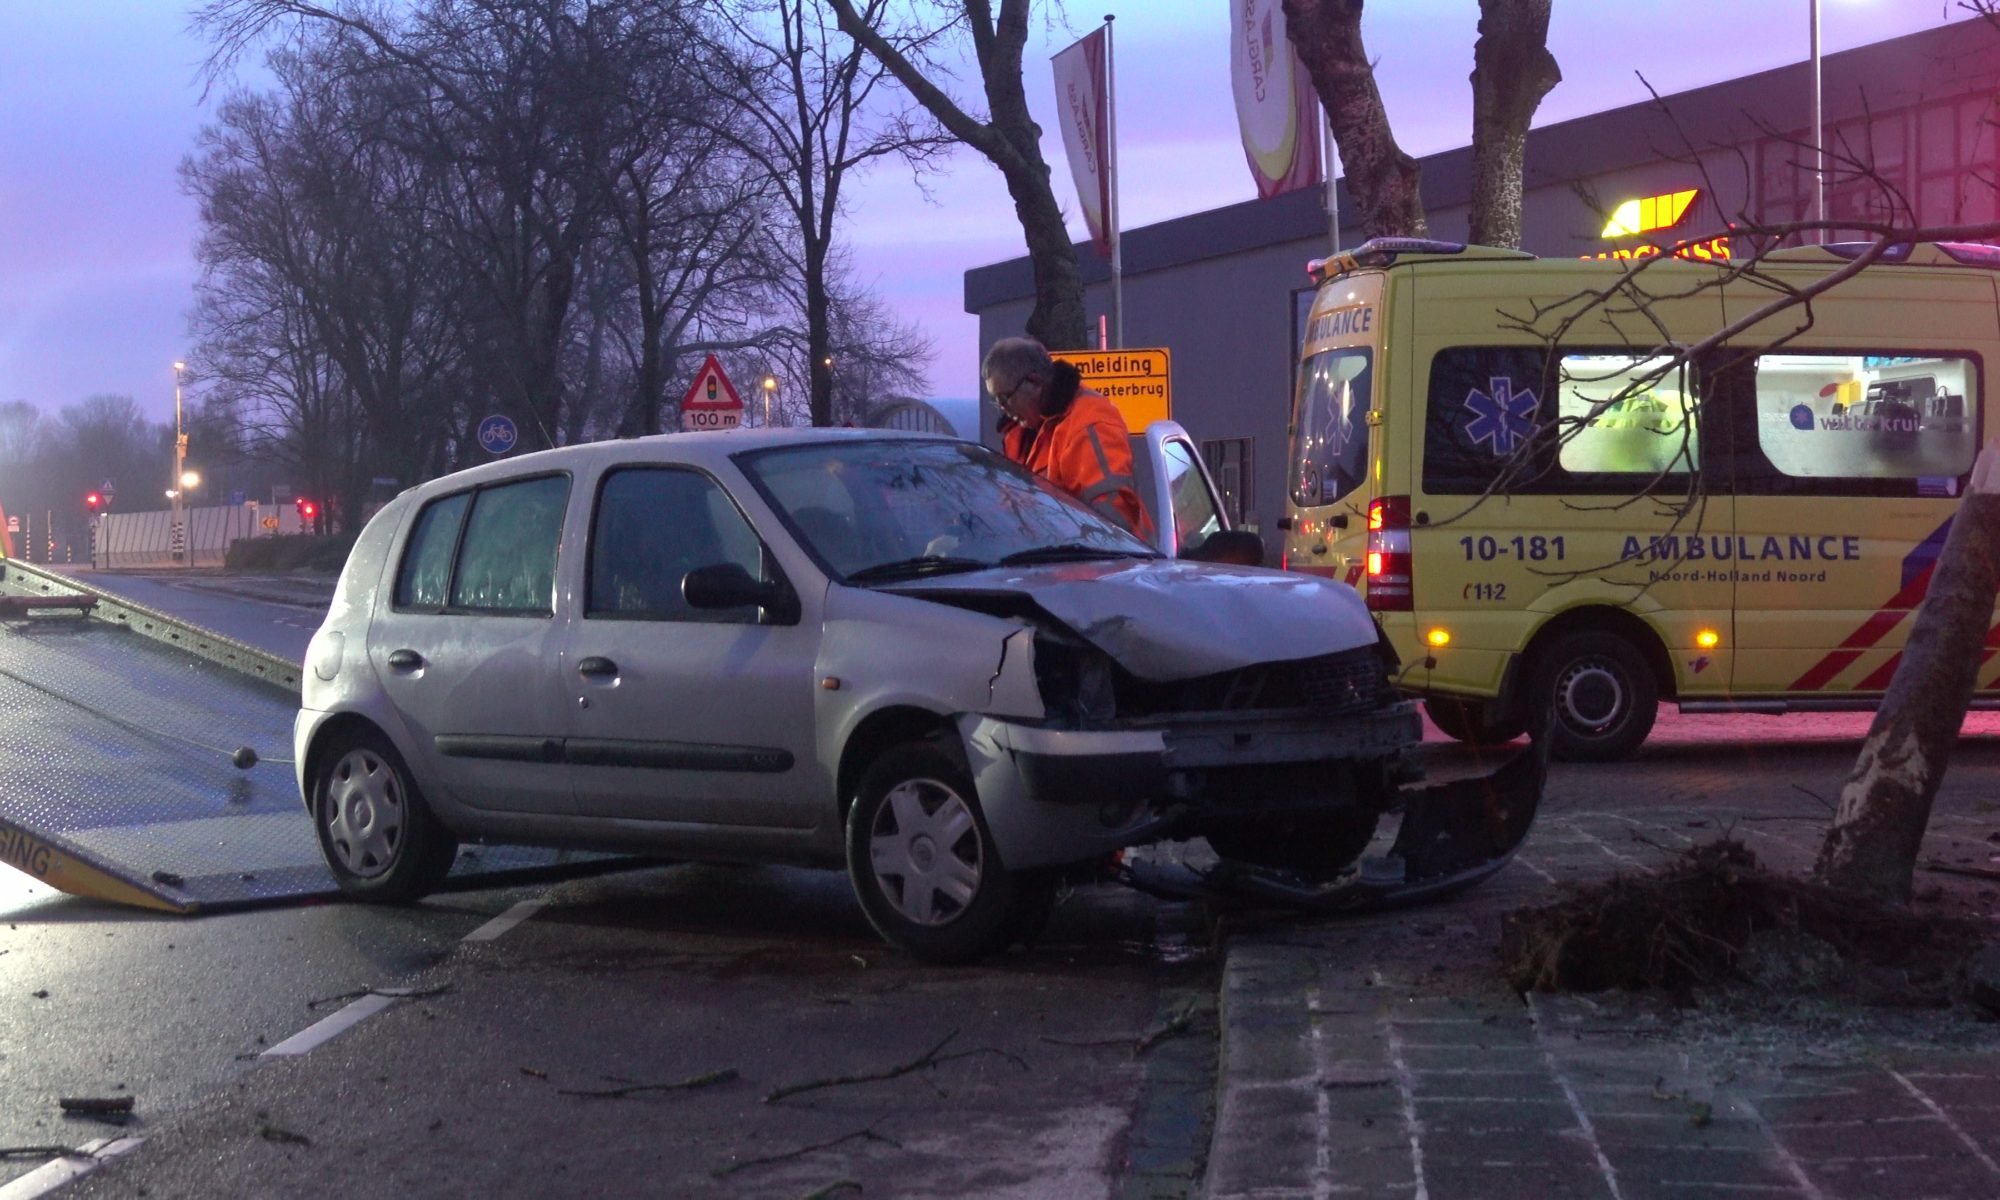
1011,141
1383,179
1512,70
1879,828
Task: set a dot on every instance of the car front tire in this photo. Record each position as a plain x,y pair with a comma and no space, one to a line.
379,837
923,862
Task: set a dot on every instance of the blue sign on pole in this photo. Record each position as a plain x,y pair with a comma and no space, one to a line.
497,434
236,496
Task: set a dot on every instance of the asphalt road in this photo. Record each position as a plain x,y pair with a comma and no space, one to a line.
693,994
640,977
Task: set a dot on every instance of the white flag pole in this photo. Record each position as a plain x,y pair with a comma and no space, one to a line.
1330,160
1111,209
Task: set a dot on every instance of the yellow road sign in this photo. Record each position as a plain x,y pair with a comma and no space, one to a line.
1134,380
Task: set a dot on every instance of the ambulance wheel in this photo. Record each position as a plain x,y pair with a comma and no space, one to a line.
1600,695
378,836
1323,844
1470,721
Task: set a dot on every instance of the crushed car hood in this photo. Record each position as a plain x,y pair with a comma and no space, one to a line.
1165,619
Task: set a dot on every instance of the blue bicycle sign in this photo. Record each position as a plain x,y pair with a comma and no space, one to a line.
497,434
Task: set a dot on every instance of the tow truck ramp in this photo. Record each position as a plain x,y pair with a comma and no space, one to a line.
118,775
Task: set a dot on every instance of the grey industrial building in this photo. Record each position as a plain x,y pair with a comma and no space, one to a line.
1225,290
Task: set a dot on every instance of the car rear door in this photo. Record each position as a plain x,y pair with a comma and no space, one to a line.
466,647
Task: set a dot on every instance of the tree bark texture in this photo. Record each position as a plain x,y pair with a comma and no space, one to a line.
1512,70
1885,805
1382,179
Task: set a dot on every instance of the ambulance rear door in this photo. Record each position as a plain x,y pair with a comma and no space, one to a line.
1336,415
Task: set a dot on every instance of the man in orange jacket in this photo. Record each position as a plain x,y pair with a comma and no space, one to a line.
1063,431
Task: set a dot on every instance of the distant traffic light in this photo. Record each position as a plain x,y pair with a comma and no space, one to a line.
94,501
308,513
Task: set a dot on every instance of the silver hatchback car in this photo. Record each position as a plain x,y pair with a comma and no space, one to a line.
894,653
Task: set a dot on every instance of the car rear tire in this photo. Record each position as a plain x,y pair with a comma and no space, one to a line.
1470,721
1323,844
380,838
924,866
1600,695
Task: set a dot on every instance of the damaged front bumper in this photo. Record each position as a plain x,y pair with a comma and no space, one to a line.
1053,797
1452,835
1058,796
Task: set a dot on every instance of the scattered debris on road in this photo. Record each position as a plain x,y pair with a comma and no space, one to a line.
96,1106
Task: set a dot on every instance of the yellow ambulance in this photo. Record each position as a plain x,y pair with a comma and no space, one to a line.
1554,497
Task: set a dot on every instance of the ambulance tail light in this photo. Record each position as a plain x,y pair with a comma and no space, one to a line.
1389,556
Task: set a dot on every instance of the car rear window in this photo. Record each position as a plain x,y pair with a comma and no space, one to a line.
507,559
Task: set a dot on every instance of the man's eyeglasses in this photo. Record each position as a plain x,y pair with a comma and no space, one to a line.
1003,398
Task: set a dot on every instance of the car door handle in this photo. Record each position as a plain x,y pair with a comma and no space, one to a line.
596,668
405,660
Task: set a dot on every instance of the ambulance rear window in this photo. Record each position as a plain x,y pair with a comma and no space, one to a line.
1883,424
1330,425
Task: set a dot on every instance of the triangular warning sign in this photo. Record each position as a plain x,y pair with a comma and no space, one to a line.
711,389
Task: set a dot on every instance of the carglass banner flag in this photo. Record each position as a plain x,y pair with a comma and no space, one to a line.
1275,105
1081,96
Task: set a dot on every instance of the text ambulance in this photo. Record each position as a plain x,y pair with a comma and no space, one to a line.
1547,512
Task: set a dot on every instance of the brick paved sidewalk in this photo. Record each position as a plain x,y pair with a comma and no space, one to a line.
1386,1057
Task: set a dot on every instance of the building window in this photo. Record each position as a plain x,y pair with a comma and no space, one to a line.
1229,465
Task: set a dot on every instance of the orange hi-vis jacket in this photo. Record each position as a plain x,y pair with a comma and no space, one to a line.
1083,449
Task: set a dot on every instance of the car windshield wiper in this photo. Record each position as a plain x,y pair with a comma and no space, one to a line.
1069,552
913,568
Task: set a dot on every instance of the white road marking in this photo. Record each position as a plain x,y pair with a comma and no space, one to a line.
331,1027
57,1172
1938,1111
505,921
1406,1089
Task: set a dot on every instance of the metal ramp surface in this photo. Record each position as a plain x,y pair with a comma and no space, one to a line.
116,772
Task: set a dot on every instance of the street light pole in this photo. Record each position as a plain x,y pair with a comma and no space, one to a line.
180,467
770,384
1819,133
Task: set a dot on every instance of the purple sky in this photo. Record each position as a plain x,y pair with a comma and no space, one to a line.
101,101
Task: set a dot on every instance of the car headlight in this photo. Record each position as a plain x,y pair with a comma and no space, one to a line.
1077,682
1096,689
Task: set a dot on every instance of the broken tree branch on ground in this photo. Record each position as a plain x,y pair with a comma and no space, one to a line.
868,1134
929,1058
726,1075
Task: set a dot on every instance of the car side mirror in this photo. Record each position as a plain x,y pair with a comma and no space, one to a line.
1240,547
728,585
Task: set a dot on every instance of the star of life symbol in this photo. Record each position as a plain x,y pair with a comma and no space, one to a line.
1504,419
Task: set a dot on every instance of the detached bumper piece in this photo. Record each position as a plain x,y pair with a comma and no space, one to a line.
1452,836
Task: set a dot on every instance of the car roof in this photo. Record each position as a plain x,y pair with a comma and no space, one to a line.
707,449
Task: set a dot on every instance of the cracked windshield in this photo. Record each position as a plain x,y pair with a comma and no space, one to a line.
880,510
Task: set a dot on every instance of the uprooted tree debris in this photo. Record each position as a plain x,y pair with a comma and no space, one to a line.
1717,918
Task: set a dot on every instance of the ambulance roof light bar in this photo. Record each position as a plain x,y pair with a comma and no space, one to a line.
1383,251
1964,254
